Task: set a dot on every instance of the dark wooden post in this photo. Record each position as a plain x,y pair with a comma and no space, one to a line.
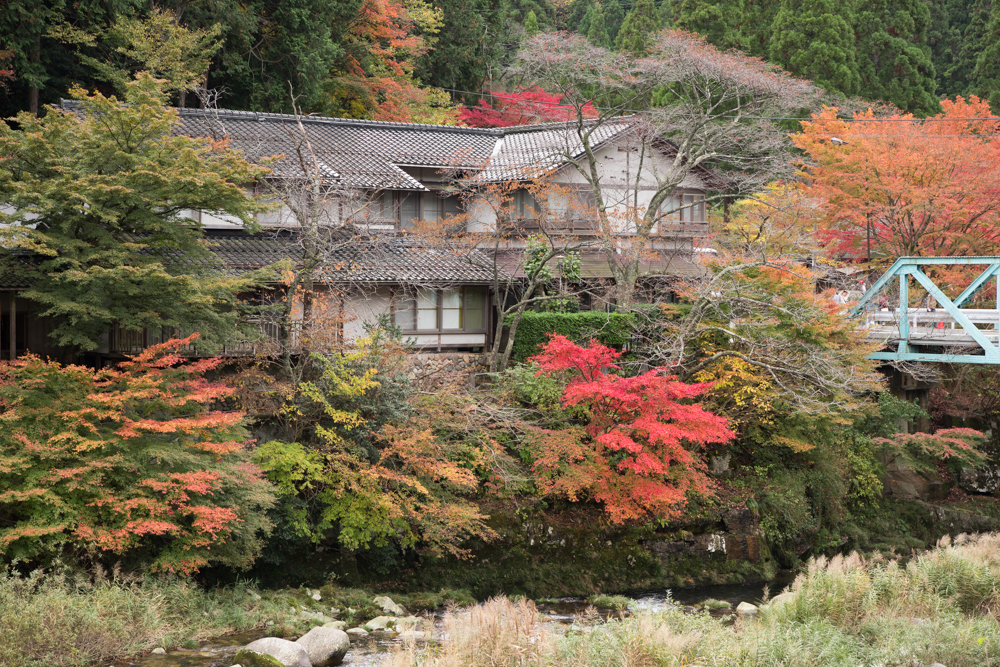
13,327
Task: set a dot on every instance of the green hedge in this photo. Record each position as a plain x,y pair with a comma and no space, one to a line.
533,331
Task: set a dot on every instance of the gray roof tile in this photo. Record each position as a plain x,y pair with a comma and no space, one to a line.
394,259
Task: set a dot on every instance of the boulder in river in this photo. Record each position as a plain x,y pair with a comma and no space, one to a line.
360,632
408,623
339,625
381,623
388,606
272,652
746,608
325,646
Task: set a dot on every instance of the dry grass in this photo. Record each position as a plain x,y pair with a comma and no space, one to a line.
942,606
54,620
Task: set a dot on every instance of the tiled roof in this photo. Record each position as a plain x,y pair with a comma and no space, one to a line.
387,259
525,151
368,154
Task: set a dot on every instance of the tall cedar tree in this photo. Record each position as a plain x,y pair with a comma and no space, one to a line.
814,39
641,22
893,57
913,188
273,43
45,67
531,24
459,59
128,463
720,22
944,39
638,453
98,201
597,28
987,73
614,16
960,77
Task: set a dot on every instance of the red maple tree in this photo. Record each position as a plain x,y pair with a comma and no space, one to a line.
636,455
527,106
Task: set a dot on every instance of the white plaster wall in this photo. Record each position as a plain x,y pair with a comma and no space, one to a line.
623,185
361,309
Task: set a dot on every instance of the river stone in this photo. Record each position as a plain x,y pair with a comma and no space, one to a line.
159,651
359,632
388,606
412,635
381,623
336,625
408,623
287,654
325,646
781,598
746,608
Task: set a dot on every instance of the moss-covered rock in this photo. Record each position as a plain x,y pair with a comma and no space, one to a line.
247,658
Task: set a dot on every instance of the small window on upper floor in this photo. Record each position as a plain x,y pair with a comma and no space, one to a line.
684,207
523,205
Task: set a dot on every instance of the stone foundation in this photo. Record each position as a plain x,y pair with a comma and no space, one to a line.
433,372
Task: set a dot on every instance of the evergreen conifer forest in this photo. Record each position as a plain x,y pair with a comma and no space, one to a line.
499,332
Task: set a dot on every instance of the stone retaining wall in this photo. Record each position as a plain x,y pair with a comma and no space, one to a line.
433,372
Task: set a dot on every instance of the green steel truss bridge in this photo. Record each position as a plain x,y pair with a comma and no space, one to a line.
942,332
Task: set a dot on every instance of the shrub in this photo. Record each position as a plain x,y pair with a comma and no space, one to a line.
634,455
127,462
371,486
533,331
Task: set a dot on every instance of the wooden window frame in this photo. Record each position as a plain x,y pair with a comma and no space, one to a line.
396,296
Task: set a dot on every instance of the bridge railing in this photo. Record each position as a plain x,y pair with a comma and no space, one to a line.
944,327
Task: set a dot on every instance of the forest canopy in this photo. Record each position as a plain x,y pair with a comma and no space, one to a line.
443,61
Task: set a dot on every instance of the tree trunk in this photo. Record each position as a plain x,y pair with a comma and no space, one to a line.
181,99
36,57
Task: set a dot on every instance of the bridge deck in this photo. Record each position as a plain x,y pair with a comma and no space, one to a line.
931,328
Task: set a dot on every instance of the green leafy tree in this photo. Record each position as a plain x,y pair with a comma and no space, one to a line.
531,24
272,45
987,72
157,44
894,60
640,23
98,200
597,28
814,39
44,66
131,463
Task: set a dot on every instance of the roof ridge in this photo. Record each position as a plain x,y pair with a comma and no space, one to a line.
515,129
329,120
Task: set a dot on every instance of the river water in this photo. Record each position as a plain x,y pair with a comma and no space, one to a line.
368,651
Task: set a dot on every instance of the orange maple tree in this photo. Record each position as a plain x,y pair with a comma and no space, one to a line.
906,186
129,462
636,455
383,43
